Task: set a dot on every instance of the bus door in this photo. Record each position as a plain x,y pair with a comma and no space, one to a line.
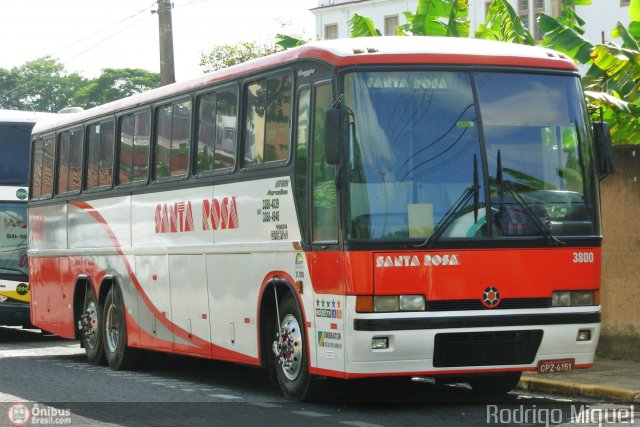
317,201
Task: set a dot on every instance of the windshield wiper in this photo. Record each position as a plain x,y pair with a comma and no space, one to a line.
463,199
539,223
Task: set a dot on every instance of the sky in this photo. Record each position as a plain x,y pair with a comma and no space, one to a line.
89,35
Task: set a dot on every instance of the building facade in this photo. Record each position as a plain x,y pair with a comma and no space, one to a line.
332,16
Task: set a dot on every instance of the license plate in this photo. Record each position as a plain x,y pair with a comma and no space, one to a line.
557,365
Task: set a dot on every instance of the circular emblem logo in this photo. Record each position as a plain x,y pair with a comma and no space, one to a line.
19,414
491,297
22,289
22,194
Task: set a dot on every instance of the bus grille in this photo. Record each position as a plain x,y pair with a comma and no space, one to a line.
486,348
476,304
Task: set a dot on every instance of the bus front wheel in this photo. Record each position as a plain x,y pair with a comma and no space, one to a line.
119,355
289,347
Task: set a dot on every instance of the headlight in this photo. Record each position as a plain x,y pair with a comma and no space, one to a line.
561,299
573,298
390,303
412,303
579,298
385,304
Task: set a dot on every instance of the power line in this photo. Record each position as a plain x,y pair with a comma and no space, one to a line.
103,30
64,61
104,39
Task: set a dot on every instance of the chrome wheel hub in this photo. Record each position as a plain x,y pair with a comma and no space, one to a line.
112,327
288,347
89,325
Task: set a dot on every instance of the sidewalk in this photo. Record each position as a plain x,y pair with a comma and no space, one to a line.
607,380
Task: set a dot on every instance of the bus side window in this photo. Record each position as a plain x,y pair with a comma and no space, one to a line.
173,139
64,140
325,217
127,124
226,128
36,171
100,155
267,130
69,161
93,151
141,140
75,160
302,156
107,137
47,166
206,133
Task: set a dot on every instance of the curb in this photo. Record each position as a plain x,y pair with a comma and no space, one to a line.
578,389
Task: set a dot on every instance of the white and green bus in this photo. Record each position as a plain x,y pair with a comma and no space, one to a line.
15,131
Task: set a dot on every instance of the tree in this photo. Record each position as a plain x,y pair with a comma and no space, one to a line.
612,81
44,85
115,84
41,85
226,55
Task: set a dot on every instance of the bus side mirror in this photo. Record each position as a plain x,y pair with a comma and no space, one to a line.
603,148
336,131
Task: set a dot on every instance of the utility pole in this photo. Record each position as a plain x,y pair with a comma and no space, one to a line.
167,70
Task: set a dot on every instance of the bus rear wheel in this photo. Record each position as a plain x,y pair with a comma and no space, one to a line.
90,328
119,355
289,347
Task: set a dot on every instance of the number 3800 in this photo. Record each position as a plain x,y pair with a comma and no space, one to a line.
583,257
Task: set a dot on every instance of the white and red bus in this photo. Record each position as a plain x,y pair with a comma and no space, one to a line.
15,132
354,208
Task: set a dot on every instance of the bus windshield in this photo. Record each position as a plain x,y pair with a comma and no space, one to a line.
439,152
14,163
13,240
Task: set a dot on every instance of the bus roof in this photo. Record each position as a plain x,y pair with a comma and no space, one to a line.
351,51
16,116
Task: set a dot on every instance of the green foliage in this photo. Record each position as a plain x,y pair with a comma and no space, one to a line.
288,42
502,23
41,85
361,26
115,84
226,55
438,18
612,81
44,85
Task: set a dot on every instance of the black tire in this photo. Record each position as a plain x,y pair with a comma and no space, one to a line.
114,325
91,333
494,384
294,379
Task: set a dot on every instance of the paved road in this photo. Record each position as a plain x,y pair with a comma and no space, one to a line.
50,377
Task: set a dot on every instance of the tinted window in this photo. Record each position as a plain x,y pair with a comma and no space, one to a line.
100,155
217,119
69,160
173,141
64,140
75,160
36,178
47,166
14,141
302,153
267,133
